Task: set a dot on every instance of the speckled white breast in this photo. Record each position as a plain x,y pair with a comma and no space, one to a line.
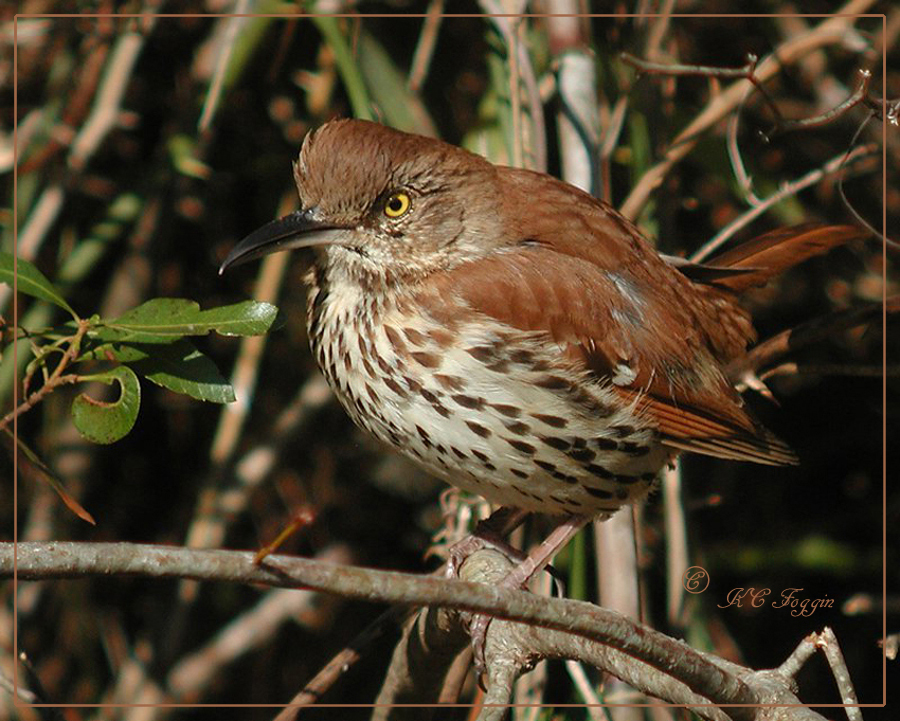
489,409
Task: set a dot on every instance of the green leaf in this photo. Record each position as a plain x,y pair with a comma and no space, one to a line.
31,281
182,368
402,109
165,320
103,422
183,152
347,65
178,366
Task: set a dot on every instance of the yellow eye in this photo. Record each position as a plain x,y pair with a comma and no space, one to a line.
397,205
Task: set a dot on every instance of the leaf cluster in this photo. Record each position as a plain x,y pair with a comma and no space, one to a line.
150,341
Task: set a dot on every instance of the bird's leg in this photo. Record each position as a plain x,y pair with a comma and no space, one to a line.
490,532
534,562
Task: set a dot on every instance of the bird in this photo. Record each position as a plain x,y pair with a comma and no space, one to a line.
512,334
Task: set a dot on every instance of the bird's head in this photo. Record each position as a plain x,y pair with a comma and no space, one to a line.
377,202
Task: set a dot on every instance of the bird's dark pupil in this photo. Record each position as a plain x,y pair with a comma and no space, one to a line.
396,204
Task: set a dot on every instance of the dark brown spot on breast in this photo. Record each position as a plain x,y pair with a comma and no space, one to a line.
415,337
482,353
596,469
423,434
372,394
442,337
478,429
394,386
427,360
626,480
383,364
412,384
633,449
549,467
591,404
517,472
622,431
519,428
597,492
606,444
479,455
441,410
468,401
556,442
508,411
582,454
564,477
521,446
450,383
458,453
522,357
395,340
554,383
428,395
555,421
368,366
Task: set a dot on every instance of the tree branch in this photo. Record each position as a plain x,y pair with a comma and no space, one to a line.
576,628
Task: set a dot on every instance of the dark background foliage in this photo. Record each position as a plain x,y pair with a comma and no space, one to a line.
194,193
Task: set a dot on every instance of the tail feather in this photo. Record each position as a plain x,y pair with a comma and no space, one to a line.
768,255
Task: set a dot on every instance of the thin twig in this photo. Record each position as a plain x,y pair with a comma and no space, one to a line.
677,554
855,98
585,689
828,644
785,191
707,71
105,113
55,380
535,107
827,32
770,350
226,49
658,27
745,183
425,46
833,369
892,244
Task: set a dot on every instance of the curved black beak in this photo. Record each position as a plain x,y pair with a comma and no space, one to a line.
300,229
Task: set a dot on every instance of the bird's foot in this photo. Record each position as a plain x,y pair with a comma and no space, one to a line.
527,568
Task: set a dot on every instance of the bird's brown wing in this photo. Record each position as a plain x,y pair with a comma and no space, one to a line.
646,342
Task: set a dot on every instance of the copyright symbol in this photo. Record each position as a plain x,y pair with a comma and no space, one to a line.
694,578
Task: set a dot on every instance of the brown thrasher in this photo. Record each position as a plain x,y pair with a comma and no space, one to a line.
513,335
